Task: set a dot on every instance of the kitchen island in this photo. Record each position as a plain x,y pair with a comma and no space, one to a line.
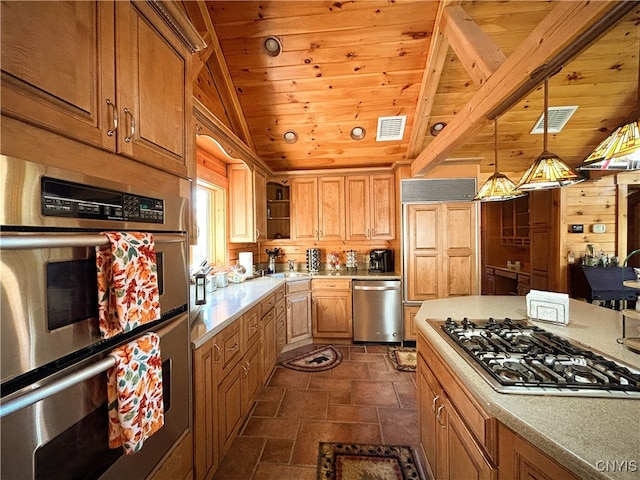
595,438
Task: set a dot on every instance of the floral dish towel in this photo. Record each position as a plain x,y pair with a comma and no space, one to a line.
134,392
128,294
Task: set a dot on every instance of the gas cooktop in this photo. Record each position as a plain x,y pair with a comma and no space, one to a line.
514,356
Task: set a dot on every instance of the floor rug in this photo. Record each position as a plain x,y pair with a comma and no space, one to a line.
404,359
342,461
324,358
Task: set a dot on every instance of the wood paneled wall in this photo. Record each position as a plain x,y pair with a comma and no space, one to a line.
588,204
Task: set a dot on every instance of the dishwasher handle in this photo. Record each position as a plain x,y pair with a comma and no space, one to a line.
377,289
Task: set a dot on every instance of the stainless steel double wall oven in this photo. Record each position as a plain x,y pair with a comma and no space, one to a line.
53,410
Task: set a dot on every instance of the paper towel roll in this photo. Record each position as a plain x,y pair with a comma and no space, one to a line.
246,260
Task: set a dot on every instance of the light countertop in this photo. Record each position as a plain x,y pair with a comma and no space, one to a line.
227,304
584,434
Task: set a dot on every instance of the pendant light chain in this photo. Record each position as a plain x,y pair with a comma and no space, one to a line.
546,113
495,141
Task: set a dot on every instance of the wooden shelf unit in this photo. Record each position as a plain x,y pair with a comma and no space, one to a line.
278,211
515,222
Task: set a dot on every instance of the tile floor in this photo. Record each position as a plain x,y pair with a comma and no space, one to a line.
362,400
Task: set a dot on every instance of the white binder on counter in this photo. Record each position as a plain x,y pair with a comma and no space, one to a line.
548,306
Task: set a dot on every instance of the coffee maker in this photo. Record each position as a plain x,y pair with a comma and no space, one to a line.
381,261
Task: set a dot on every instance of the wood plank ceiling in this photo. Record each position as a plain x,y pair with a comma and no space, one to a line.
345,64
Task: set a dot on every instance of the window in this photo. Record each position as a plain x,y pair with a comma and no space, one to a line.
211,219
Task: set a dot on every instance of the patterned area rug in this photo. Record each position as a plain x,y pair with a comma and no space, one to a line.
404,359
324,358
341,461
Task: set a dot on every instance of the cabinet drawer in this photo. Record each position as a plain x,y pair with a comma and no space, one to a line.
228,344
330,284
280,293
298,286
503,273
250,327
523,279
267,304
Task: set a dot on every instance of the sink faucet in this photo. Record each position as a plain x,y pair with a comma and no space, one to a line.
290,262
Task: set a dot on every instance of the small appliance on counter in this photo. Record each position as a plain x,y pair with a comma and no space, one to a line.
313,260
381,261
273,254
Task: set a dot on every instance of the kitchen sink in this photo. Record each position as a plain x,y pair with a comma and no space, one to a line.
288,274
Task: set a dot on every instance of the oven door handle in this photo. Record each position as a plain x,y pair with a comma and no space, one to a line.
61,240
57,386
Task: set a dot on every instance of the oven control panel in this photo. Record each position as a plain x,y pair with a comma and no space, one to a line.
60,198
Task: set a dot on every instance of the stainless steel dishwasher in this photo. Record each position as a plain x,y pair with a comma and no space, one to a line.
377,311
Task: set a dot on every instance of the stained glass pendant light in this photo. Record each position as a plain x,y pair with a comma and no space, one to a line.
621,149
498,186
548,170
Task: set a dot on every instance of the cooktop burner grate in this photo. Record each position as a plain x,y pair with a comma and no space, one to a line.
517,357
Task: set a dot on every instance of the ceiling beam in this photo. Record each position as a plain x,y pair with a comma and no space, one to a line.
433,70
222,77
566,22
479,55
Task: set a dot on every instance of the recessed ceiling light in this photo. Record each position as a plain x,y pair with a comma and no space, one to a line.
436,128
358,133
272,46
290,136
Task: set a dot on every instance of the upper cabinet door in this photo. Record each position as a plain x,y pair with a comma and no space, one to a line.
260,189
331,219
58,67
383,201
370,207
358,222
241,204
152,78
304,208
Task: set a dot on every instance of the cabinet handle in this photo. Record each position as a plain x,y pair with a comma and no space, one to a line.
114,125
246,371
433,404
132,126
257,233
368,233
440,408
235,346
217,354
288,304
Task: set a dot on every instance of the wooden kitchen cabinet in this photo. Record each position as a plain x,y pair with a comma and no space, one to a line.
260,189
520,460
410,328
279,213
241,204
370,207
545,245
317,208
457,436
514,215
110,74
205,406
281,321
441,250
332,308
226,378
298,301
268,341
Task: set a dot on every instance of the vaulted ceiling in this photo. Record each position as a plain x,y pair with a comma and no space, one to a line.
345,64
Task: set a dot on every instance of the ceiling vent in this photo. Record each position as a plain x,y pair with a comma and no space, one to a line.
390,128
558,118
